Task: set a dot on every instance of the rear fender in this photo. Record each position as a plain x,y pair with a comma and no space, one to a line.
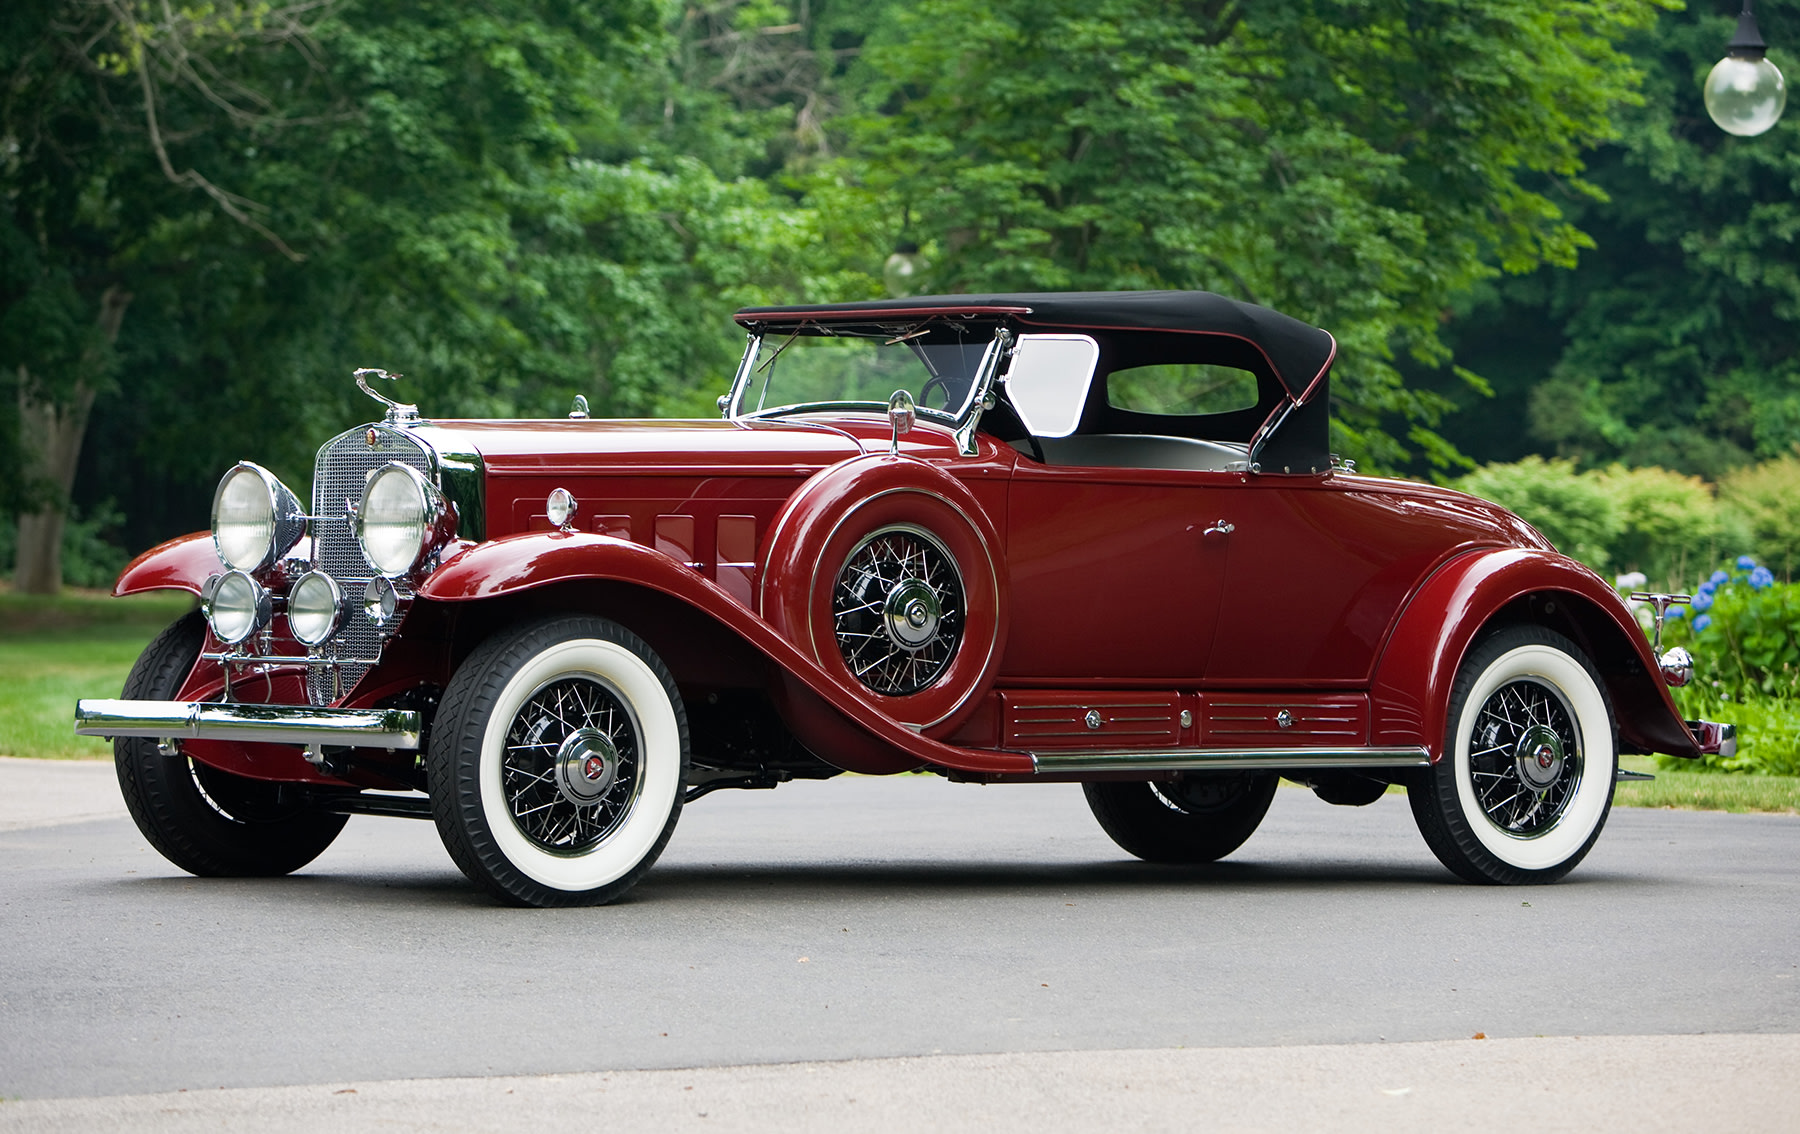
182,564
1484,589
828,716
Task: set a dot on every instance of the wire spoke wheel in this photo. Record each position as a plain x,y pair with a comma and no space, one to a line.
570,765
898,610
1524,758
1525,781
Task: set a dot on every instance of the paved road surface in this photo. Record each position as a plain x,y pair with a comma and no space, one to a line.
870,919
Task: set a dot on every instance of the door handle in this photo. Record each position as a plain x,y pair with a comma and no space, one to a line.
1220,528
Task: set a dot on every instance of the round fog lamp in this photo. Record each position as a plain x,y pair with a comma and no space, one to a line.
560,506
315,607
238,608
381,602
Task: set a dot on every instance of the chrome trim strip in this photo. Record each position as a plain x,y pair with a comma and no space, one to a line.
1194,759
260,724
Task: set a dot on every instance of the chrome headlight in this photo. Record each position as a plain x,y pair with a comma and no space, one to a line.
315,607
235,606
402,519
255,519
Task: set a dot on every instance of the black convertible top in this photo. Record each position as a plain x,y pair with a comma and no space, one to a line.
1298,353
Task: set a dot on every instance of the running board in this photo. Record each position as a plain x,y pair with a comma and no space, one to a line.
1255,759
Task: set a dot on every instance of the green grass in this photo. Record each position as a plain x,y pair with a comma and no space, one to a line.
55,651
1706,791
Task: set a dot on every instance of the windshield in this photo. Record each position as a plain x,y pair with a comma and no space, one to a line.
861,368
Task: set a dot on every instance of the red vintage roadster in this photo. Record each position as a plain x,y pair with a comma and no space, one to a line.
1001,538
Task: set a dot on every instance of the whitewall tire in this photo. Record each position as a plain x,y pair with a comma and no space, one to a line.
558,761
1530,755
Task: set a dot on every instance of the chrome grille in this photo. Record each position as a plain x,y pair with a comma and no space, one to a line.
343,468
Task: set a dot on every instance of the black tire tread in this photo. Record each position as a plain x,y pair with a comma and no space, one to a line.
1132,815
174,817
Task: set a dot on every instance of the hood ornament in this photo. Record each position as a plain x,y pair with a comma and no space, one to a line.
398,413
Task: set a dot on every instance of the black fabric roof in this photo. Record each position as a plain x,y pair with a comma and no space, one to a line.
1298,352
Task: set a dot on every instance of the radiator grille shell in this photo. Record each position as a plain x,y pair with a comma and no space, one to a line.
342,468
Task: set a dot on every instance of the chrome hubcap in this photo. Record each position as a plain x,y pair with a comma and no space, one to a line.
1539,757
911,614
587,766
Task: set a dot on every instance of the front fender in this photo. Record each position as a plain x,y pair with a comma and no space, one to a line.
183,564
1418,665
523,562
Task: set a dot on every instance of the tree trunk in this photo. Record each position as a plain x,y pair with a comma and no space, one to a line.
51,432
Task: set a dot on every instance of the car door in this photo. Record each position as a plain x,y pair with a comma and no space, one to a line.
1115,577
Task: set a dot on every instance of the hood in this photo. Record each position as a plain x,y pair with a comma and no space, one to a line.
586,446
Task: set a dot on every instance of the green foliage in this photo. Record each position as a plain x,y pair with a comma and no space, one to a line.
1348,161
1660,523
92,555
1669,524
1573,511
1676,341
1744,632
1765,501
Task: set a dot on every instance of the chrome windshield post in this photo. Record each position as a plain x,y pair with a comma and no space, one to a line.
728,405
982,397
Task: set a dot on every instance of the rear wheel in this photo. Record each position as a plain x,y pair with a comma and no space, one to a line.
1526,779
206,821
1192,818
558,762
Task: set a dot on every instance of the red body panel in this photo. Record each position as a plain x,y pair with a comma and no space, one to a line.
533,560
182,564
1418,665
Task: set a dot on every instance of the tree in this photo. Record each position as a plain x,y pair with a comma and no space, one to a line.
1353,162
491,200
1676,342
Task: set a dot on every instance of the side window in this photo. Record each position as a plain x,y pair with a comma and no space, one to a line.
1182,388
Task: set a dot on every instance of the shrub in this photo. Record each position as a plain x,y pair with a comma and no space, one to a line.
1744,631
1573,511
1668,522
1765,499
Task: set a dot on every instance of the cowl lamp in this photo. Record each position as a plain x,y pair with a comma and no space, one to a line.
1745,93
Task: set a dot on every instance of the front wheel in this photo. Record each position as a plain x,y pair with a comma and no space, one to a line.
1526,778
558,761
1199,817
209,822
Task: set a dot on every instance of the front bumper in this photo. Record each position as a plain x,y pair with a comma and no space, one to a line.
1713,738
257,724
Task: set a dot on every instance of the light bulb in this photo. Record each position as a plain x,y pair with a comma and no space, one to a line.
1745,96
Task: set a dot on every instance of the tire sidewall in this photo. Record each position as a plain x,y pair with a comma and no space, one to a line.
1552,661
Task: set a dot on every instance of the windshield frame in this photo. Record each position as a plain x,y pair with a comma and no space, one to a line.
757,357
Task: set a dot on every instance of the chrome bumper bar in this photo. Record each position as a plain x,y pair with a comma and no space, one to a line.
1196,759
258,724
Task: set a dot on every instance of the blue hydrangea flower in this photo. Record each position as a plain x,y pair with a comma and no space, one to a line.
1761,577
1708,587
1677,612
1745,562
1718,577
1702,622
1703,601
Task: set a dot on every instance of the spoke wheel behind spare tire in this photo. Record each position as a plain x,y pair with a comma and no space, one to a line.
558,762
1192,818
1526,779
209,822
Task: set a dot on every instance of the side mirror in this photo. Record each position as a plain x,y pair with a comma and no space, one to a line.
1049,379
